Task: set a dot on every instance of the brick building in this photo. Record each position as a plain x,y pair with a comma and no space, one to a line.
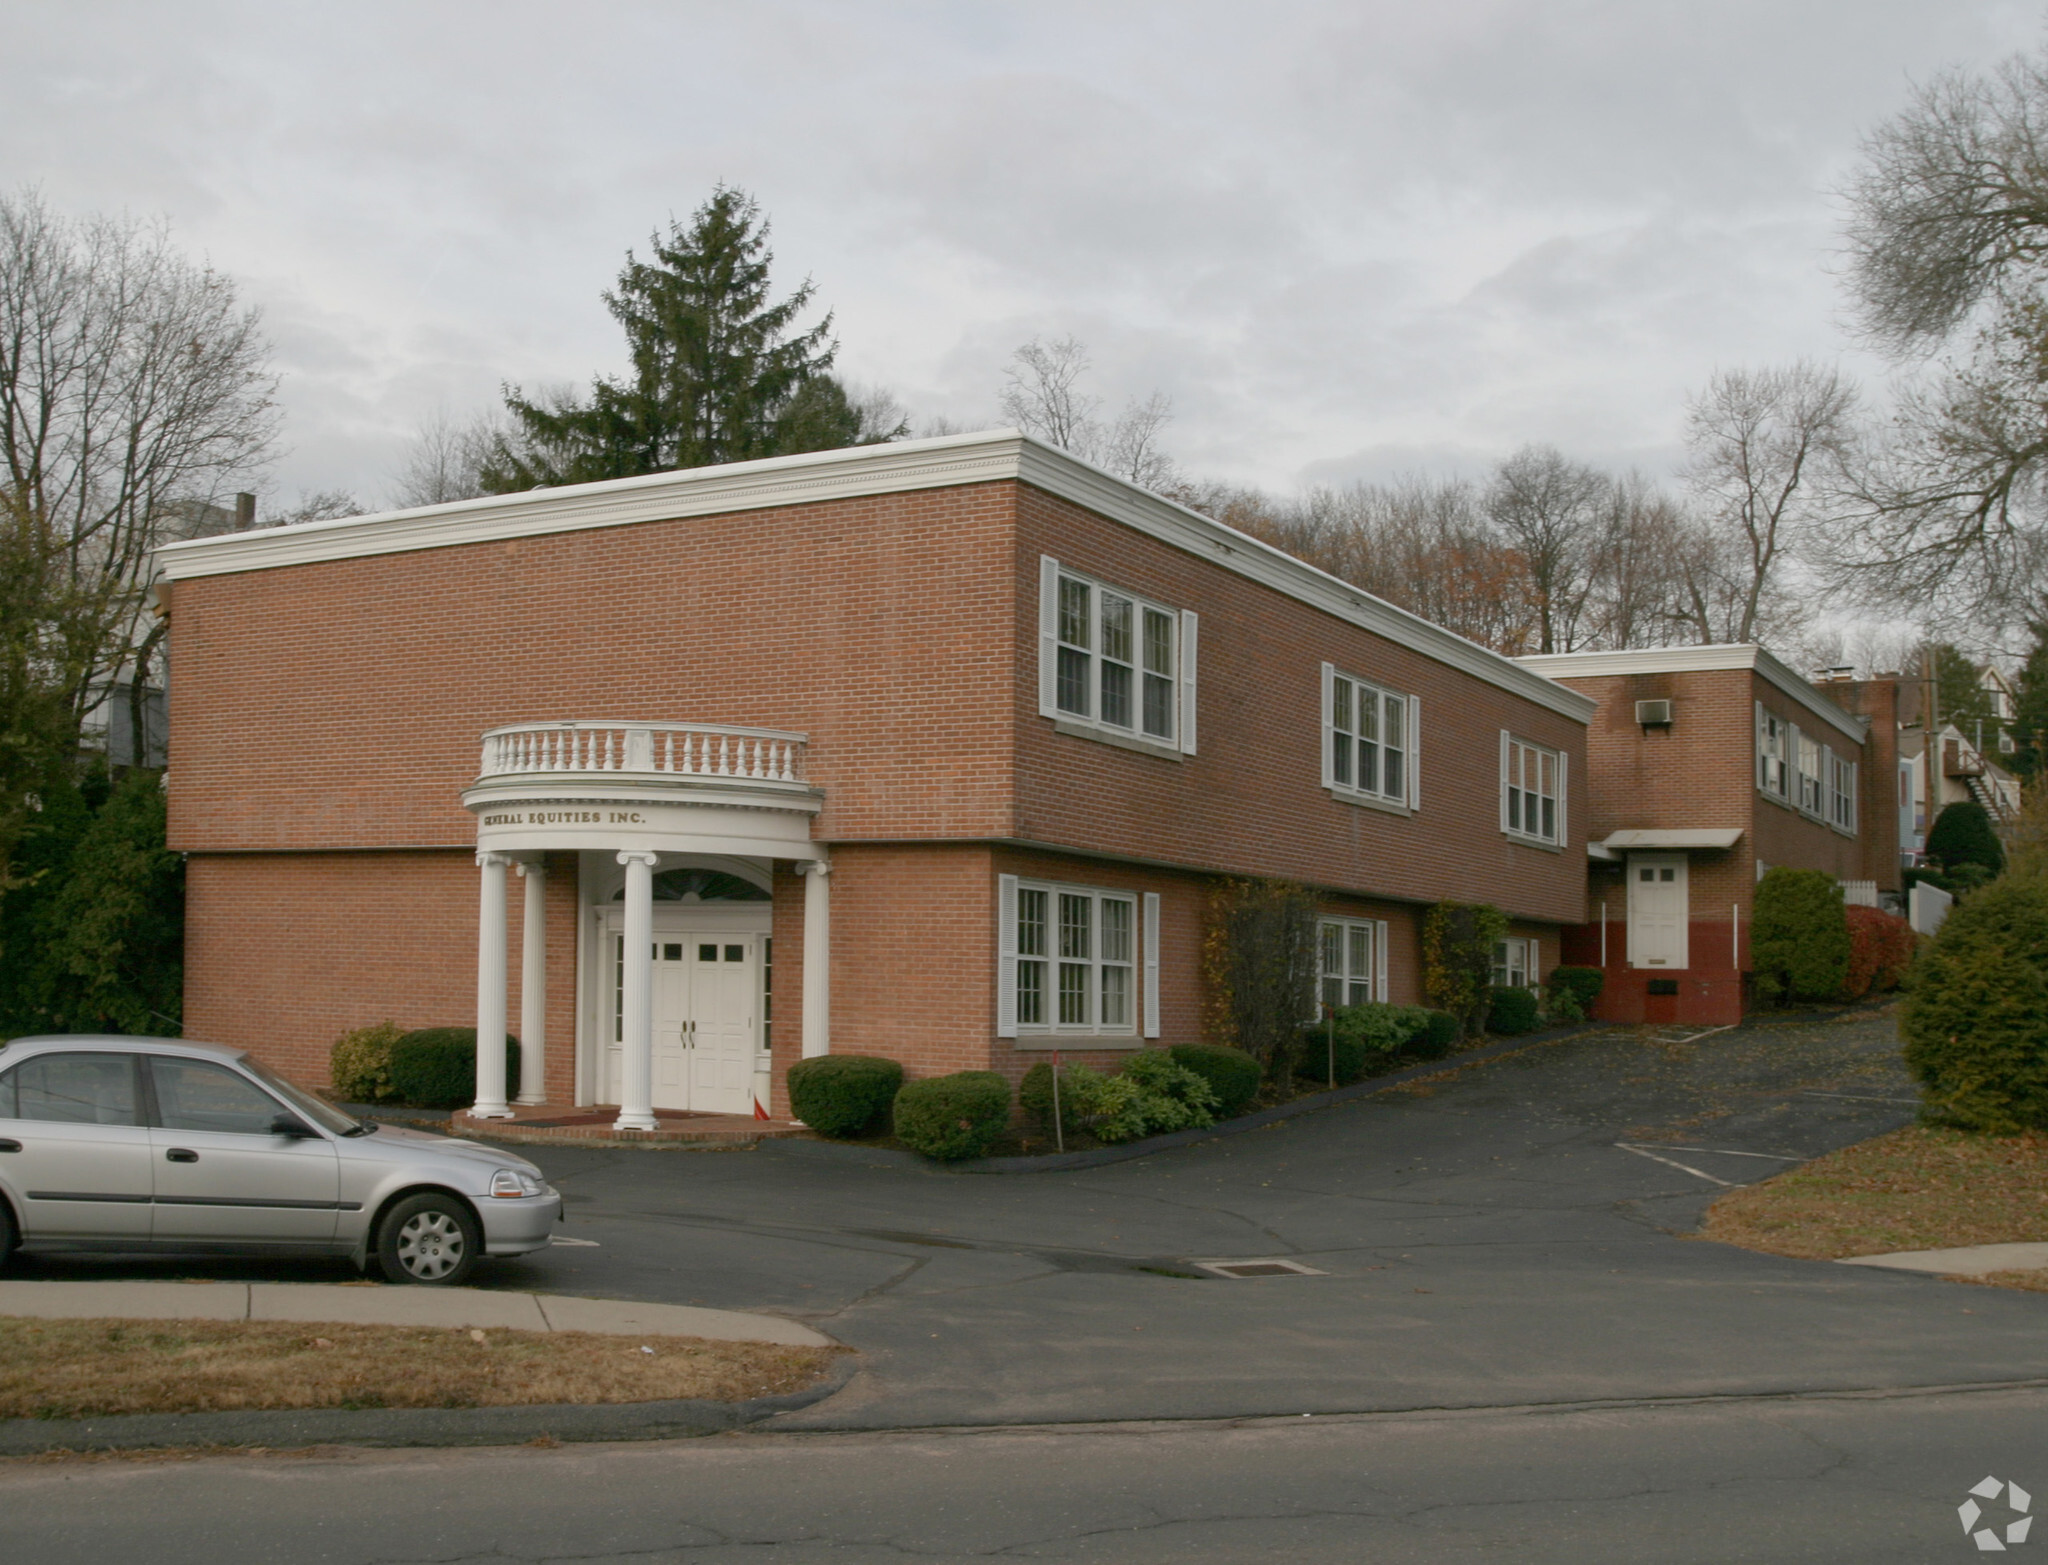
1706,767
932,750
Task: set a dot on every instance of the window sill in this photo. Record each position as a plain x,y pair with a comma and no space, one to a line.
1115,737
1075,1040
1365,801
1533,842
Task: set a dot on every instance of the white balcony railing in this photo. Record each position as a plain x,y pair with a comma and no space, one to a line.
682,751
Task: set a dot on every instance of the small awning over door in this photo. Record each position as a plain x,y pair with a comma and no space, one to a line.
1672,839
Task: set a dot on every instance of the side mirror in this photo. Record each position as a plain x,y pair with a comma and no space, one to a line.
291,1125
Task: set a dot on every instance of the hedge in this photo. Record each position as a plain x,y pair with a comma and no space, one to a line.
1962,836
1881,948
435,1067
359,1065
1232,1074
951,1117
1368,1038
1439,1035
1513,1011
844,1094
1975,1018
1799,936
1573,991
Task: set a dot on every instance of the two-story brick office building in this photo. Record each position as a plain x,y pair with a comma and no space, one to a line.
932,750
1706,767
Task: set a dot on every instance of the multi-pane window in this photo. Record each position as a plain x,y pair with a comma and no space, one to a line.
1367,739
1532,790
1348,960
1075,959
1841,793
1812,777
1773,754
1513,960
1116,659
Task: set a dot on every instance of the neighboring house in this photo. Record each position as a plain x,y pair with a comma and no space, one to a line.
936,750
1962,772
1708,766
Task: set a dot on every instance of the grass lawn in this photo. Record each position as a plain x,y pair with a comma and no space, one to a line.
1921,1188
85,1368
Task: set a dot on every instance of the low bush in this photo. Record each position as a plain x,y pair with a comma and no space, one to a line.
1367,1040
1975,1018
1080,1098
1963,839
844,1094
1573,991
1175,1098
1512,1012
435,1067
953,1117
1150,1096
1439,1035
1799,936
1881,948
359,1066
1232,1074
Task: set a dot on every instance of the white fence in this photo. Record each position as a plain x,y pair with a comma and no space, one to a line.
1927,907
1860,893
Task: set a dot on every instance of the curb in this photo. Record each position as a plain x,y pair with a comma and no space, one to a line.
1056,1162
283,1428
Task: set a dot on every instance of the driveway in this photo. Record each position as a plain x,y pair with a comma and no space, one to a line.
1508,1235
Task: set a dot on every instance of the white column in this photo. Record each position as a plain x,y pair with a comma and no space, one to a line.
533,985
817,957
490,991
636,1021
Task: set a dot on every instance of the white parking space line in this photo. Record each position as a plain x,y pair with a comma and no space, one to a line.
1857,1097
1775,1157
1683,1168
581,1244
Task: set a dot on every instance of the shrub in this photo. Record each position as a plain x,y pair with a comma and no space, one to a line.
435,1067
1975,1019
1457,958
1880,949
1175,1098
1232,1074
1962,836
1573,991
951,1117
1259,963
1080,1097
1367,1040
1513,1011
1439,1035
1799,936
1151,1096
843,1094
360,1064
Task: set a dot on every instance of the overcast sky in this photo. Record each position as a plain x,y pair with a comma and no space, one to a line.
1347,240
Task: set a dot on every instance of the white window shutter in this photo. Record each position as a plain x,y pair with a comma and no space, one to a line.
1855,801
1564,837
1187,682
1048,635
1504,741
1329,731
1763,764
1151,938
1006,956
1379,961
1415,752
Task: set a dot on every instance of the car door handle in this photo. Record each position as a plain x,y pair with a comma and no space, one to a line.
180,1155
10,1146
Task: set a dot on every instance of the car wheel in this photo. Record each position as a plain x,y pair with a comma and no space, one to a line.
9,1236
431,1239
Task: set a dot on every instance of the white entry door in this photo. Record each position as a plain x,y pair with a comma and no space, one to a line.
707,1022
1657,910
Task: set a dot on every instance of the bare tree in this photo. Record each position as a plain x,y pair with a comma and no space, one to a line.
1551,510
318,505
1768,455
444,460
1042,396
1637,568
131,384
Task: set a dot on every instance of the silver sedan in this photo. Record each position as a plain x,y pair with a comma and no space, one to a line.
159,1144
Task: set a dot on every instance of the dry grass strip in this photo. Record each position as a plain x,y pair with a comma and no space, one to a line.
89,1368
1921,1188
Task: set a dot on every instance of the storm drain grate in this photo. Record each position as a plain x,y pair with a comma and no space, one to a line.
1264,1267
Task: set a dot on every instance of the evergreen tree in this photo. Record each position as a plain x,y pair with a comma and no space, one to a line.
2030,710
717,375
1959,688
1965,843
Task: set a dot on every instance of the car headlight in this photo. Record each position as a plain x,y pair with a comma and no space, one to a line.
511,1183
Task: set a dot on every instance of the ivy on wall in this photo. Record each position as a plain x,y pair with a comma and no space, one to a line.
1259,964
1457,959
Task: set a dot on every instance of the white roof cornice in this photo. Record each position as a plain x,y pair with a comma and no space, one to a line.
946,462
1683,660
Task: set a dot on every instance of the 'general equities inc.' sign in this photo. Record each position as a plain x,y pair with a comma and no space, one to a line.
566,818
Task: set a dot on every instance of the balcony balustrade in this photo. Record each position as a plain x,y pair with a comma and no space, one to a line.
679,753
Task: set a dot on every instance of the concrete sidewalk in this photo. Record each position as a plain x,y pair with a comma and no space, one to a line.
374,1305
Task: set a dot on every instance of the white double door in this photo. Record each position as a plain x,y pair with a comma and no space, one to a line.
708,1010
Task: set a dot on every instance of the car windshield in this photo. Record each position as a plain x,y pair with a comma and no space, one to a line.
321,1113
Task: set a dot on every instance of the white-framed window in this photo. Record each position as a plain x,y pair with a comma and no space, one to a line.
1841,793
1773,754
1351,961
1532,791
1812,773
1115,662
1069,960
1370,738
1515,961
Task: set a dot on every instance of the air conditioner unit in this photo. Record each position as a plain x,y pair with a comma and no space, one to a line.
1654,714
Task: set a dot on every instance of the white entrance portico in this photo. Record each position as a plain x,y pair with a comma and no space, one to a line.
677,826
